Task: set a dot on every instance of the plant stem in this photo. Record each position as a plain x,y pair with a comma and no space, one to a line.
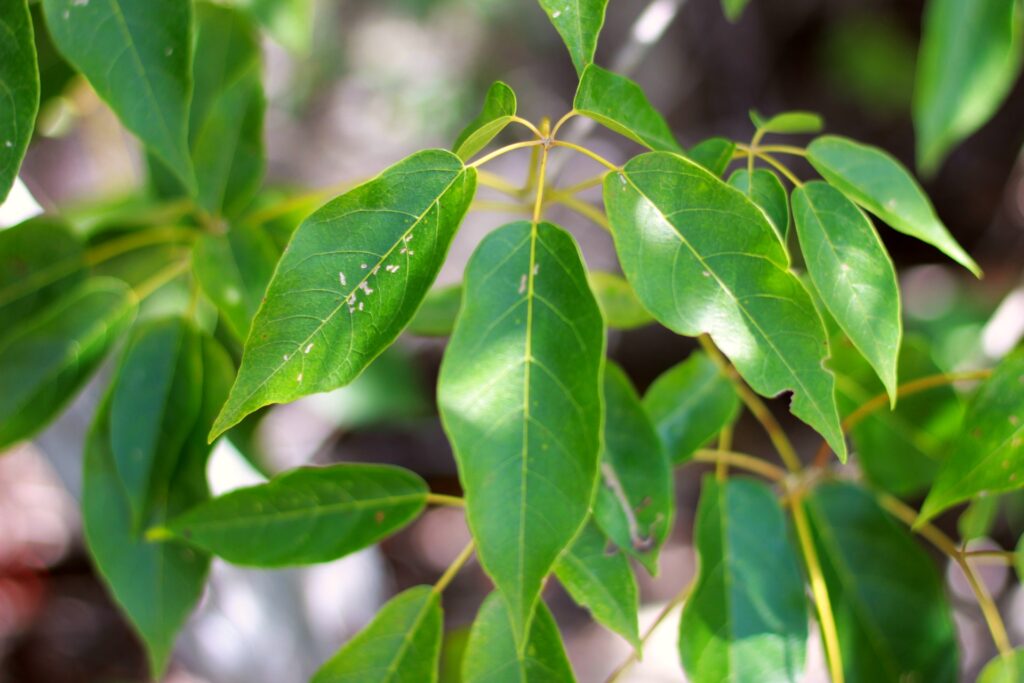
781,168
742,461
504,150
144,238
583,150
442,499
995,556
523,122
458,563
496,182
562,121
581,207
724,444
783,149
677,600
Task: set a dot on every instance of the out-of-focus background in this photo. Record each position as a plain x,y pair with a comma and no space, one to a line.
376,80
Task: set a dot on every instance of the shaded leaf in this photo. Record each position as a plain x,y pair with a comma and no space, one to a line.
304,516
878,182
19,81
402,643
47,359
436,317
788,122
713,154
351,278
746,619
704,259
689,404
579,23
618,302
619,104
979,517
499,108
520,399
768,193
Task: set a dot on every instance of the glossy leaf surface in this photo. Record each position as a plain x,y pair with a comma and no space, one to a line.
307,515
351,278
520,399
499,108
766,191
19,82
704,259
619,104
579,23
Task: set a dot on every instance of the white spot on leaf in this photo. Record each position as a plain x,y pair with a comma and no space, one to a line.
309,347
341,278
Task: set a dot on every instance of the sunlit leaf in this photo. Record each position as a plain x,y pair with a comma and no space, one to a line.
768,193
788,122
19,82
1004,669
622,310
499,108
289,22
713,154
579,23
618,103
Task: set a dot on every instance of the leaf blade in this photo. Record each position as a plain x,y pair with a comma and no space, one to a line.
19,80
766,191
579,23
499,108
619,104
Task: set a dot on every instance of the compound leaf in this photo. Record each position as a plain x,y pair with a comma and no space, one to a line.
19,81
499,108
579,23
619,104
766,191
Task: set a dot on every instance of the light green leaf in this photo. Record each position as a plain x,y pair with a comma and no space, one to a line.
853,274
619,104
979,517
879,183
401,645
233,270
635,503
734,9
892,615
970,57
499,108
436,317
289,22
768,193
154,401
137,54
351,278
1004,669
713,154
989,454
579,23
19,81
520,398
702,258
622,310
491,654
602,582
746,619
304,516
689,404
788,122
156,584
46,360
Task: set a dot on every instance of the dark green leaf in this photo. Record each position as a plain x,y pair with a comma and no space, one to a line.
351,278
1005,669
156,584
892,615
879,183
768,193
853,274
601,581
689,404
137,54
492,656
703,258
622,310
305,516
989,454
713,154
520,398
401,645
499,108
579,23
788,122
746,619
233,270
635,503
19,81
969,59
436,317
734,8
46,360
618,103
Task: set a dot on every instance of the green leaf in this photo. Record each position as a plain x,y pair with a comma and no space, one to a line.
233,270
892,616
579,23
746,619
635,502
304,516
154,401
853,274
989,454
156,584
19,81
1019,559
788,122
970,57
602,582
768,193
436,317
733,9
40,261
618,302
289,22
713,154
491,654
401,644
137,55
351,278
46,360
879,183
1004,669
520,398
619,104
499,108
978,519
689,404
703,259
